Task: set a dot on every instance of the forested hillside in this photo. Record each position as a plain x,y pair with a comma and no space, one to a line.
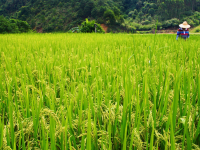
62,15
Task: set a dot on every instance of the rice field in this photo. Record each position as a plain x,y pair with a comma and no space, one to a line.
99,91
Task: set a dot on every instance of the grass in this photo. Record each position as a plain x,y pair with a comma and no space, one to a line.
99,91
196,30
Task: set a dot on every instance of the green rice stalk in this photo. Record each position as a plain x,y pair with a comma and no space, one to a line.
89,131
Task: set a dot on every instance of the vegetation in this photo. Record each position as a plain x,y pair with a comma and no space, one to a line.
99,91
89,27
13,26
196,30
62,15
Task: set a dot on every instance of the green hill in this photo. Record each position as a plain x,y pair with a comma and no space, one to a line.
62,15
196,29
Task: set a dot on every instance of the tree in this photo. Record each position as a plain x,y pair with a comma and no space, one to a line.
109,16
13,25
139,4
88,8
33,23
39,13
95,12
133,14
23,26
116,11
120,19
4,25
140,15
24,13
151,11
162,10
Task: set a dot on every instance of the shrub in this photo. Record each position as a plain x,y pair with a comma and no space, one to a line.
143,32
149,18
174,22
196,22
145,22
197,30
159,25
13,26
89,26
171,23
136,25
190,22
23,26
131,29
146,27
197,15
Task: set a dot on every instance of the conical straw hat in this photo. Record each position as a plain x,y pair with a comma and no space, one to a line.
184,25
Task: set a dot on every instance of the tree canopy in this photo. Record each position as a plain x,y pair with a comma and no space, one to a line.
13,26
62,15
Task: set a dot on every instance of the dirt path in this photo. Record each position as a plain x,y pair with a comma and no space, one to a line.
105,28
195,33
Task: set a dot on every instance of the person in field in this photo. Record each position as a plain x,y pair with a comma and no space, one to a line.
183,31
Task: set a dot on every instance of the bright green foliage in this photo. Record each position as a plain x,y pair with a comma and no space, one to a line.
89,27
99,91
